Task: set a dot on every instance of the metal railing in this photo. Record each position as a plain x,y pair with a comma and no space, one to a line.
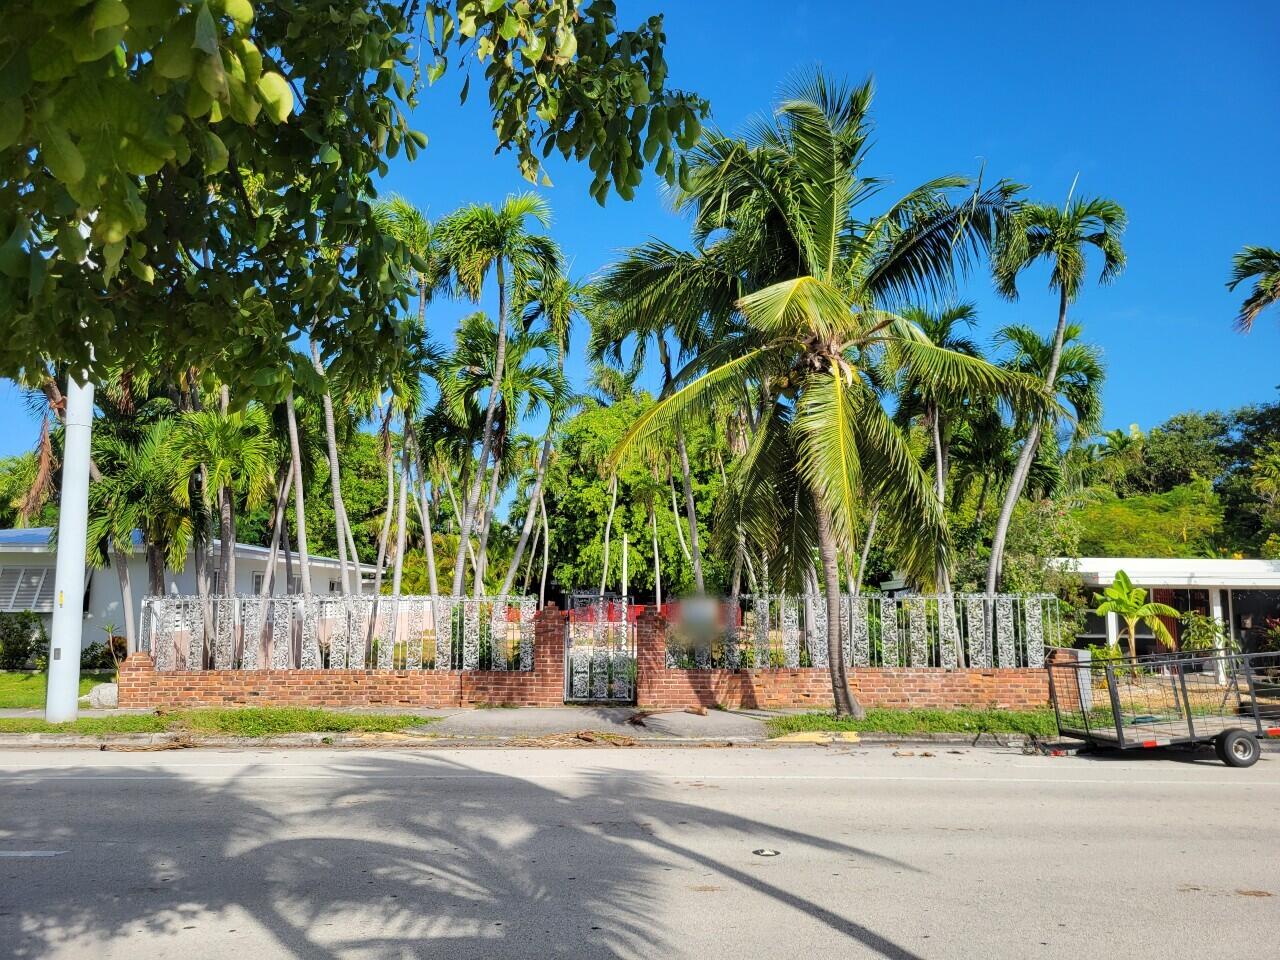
339,633
944,632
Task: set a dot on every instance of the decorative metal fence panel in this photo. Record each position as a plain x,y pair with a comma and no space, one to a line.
790,630
339,633
600,650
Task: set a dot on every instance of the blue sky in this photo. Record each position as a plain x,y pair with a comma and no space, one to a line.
1169,108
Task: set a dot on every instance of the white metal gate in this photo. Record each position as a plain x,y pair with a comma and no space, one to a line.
599,651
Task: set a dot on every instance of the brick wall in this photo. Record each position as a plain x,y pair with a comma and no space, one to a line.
142,686
664,689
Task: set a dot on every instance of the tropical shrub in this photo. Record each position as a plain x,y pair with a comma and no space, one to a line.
22,634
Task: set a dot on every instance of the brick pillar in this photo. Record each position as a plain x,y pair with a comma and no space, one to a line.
548,656
651,654
137,679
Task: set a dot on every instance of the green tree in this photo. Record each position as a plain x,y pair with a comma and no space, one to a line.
479,239
1130,604
167,171
135,492
1060,236
238,456
811,332
1184,447
1262,266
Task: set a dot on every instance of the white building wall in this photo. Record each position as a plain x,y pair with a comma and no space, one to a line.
104,605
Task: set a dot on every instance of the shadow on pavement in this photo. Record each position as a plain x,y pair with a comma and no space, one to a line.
376,864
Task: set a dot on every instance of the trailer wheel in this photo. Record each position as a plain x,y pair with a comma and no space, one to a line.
1237,749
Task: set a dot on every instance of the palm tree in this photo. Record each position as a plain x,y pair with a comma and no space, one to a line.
1038,231
1130,604
943,329
557,301
134,492
238,455
477,239
781,208
1262,265
532,383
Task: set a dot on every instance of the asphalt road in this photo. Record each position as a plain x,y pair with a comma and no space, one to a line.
589,853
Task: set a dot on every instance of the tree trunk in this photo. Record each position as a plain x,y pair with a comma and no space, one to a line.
846,704
277,528
657,559
335,482
1025,458
530,514
691,512
288,559
675,513
486,445
227,548
402,517
385,535
491,505
126,599
427,533
155,570
299,504
546,552
608,532
528,564
942,573
866,551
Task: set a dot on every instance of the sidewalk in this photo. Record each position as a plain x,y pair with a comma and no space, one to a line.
459,727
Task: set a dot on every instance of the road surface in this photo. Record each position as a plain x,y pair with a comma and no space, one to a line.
491,854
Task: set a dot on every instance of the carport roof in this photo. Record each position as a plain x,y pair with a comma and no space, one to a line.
1178,572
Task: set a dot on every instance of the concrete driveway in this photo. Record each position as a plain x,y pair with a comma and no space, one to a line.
976,853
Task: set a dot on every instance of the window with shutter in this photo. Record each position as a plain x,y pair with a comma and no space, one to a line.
26,588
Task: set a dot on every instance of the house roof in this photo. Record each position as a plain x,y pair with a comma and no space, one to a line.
1177,572
37,540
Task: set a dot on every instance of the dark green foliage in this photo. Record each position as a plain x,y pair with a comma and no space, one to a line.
98,656
22,635
1183,522
1185,447
577,495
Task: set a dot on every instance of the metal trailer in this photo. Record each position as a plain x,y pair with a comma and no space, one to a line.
1176,699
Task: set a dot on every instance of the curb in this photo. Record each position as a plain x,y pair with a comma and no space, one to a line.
143,742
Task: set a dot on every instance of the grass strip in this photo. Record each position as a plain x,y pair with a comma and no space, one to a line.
24,690
880,720
248,722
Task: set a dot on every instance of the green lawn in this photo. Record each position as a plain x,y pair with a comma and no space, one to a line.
249,722
21,689
1038,722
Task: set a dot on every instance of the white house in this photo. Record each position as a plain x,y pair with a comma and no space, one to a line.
1243,594
27,559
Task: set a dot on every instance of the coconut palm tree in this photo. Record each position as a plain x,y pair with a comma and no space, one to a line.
1060,237
1130,604
476,240
238,455
1262,265
782,208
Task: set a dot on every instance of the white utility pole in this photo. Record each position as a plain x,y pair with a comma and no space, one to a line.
63,696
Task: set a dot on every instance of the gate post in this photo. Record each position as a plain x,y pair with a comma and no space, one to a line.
548,656
651,655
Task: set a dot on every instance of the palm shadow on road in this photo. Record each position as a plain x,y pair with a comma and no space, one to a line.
377,863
